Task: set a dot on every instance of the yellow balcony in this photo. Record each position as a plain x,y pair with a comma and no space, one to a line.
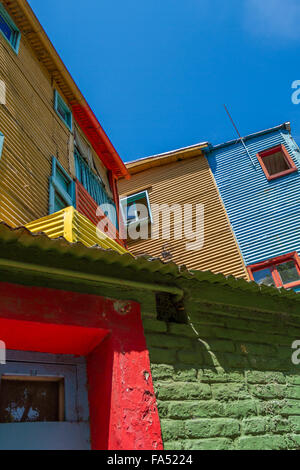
74,227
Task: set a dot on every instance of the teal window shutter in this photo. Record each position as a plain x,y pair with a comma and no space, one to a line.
94,186
61,190
9,30
63,110
1,143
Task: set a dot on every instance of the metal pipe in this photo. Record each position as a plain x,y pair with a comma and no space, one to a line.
241,138
85,277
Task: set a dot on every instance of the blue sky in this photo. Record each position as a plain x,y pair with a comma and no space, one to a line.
157,72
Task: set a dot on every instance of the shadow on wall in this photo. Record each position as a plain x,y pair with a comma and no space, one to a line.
226,380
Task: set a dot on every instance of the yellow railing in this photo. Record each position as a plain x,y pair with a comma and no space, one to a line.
74,227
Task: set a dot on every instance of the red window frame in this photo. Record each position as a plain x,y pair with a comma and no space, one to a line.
288,158
272,265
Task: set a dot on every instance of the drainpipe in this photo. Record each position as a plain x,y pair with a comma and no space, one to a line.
85,277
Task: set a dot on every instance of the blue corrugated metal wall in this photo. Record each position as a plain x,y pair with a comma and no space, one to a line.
265,215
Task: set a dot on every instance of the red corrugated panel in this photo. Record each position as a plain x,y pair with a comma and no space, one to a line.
86,205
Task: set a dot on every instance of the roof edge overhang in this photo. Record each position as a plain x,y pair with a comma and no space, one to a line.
284,126
161,159
30,26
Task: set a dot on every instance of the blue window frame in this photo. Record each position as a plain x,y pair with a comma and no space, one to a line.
63,110
94,186
62,189
1,143
130,210
9,30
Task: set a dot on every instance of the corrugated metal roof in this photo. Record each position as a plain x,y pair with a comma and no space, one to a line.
24,239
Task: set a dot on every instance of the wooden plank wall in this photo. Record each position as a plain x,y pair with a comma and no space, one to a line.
33,133
189,181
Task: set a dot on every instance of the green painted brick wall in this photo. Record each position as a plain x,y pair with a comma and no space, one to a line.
226,379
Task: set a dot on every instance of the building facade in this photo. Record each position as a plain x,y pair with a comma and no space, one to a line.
169,182
54,152
259,184
103,350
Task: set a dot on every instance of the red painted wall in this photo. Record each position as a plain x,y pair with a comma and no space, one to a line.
123,411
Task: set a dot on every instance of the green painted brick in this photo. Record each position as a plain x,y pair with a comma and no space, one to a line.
293,379
174,445
230,391
279,425
172,429
171,342
181,330
208,444
215,376
256,349
155,325
238,361
233,386
221,345
293,392
289,407
255,426
164,356
262,443
179,391
185,374
268,364
162,371
220,427
259,377
163,409
293,441
273,407
240,409
268,391
192,409
191,357
294,423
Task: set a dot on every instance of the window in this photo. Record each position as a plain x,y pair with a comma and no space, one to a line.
94,186
136,208
44,402
63,110
9,30
26,399
283,271
276,162
62,189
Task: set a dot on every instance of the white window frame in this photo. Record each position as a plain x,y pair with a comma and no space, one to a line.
135,198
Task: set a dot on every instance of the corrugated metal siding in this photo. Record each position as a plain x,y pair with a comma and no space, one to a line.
264,214
189,181
33,133
86,205
74,227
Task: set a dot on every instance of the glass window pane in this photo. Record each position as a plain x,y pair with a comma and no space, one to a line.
23,401
131,212
288,272
6,30
264,276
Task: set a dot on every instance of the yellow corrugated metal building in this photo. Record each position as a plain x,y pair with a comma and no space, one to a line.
184,177
38,128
